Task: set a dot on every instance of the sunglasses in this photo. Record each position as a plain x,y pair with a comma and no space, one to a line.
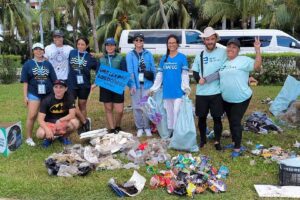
139,40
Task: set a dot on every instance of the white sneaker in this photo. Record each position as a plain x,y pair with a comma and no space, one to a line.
30,142
148,132
139,133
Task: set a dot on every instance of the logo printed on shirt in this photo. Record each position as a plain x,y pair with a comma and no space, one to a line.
169,65
57,108
40,73
75,63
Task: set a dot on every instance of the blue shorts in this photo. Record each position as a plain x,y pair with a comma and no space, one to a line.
32,97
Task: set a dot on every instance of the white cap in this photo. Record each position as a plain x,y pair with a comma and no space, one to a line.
209,31
38,45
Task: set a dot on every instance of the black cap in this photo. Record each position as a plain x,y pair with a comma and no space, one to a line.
60,82
58,33
234,41
138,35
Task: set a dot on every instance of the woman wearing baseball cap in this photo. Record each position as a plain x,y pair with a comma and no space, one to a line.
57,115
141,66
235,90
113,102
37,77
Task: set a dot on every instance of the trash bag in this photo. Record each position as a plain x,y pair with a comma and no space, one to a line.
289,92
184,136
292,115
162,127
150,109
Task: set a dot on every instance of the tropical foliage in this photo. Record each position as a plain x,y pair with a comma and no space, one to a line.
99,19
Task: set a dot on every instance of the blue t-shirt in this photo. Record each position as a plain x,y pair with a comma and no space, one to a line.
212,62
172,70
81,64
234,76
35,73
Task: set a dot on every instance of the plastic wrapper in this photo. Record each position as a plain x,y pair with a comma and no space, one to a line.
150,109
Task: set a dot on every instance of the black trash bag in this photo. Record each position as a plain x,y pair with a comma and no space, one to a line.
52,166
84,170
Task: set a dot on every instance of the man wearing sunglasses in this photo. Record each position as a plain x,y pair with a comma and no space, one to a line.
140,65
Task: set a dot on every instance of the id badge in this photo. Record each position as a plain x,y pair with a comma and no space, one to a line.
141,77
79,79
41,89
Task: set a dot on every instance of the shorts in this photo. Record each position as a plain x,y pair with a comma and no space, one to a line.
211,103
107,96
32,97
58,128
82,93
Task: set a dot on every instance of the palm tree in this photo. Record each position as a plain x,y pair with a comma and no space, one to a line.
233,9
162,12
91,5
28,8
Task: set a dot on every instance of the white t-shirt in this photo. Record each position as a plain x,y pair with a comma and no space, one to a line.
58,57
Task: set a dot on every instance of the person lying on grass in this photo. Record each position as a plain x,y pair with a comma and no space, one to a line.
57,116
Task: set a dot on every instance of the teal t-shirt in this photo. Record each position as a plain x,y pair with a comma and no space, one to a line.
212,62
234,76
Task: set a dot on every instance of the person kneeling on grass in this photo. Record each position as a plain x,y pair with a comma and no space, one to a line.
57,116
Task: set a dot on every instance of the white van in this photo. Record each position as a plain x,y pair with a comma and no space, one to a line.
272,40
155,40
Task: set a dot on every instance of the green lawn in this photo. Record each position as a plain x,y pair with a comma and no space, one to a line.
24,176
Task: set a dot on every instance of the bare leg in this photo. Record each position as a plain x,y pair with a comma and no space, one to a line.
118,108
109,114
33,108
40,133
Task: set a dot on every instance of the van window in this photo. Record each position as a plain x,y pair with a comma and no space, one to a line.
247,41
193,37
286,42
154,37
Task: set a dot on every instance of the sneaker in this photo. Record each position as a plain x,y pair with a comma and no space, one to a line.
235,154
30,142
117,129
81,130
112,130
148,132
46,143
229,146
202,143
139,133
218,146
88,124
64,140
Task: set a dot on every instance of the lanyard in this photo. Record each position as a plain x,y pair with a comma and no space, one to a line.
40,68
80,60
109,59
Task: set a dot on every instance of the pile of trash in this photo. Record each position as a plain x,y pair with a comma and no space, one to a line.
79,160
273,153
152,152
188,175
259,122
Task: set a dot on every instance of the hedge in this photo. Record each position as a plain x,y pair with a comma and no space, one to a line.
9,65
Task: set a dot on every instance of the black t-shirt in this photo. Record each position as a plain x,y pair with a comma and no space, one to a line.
56,108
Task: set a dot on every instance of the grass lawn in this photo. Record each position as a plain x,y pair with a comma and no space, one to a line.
24,176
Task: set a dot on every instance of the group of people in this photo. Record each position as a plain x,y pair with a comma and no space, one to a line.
58,75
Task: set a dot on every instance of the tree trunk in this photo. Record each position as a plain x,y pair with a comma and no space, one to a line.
224,23
93,23
244,23
41,23
252,22
52,26
231,24
29,28
162,12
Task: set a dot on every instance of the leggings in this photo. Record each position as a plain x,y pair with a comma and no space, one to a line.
235,113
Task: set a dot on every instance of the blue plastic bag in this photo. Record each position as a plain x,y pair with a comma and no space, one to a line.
289,92
184,135
162,127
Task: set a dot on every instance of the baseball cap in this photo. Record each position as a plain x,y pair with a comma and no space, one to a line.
209,31
234,41
37,45
110,41
58,33
60,82
138,35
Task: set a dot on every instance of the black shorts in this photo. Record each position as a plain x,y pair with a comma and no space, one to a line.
82,93
212,103
107,96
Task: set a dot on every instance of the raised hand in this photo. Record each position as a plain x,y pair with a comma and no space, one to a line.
257,43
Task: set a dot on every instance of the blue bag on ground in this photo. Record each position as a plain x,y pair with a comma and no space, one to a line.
289,92
162,127
184,135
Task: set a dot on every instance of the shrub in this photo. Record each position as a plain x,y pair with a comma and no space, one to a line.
8,68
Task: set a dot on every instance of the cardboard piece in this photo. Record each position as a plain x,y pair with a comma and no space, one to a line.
278,191
10,137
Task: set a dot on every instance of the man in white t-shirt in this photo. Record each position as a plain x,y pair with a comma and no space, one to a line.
58,54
